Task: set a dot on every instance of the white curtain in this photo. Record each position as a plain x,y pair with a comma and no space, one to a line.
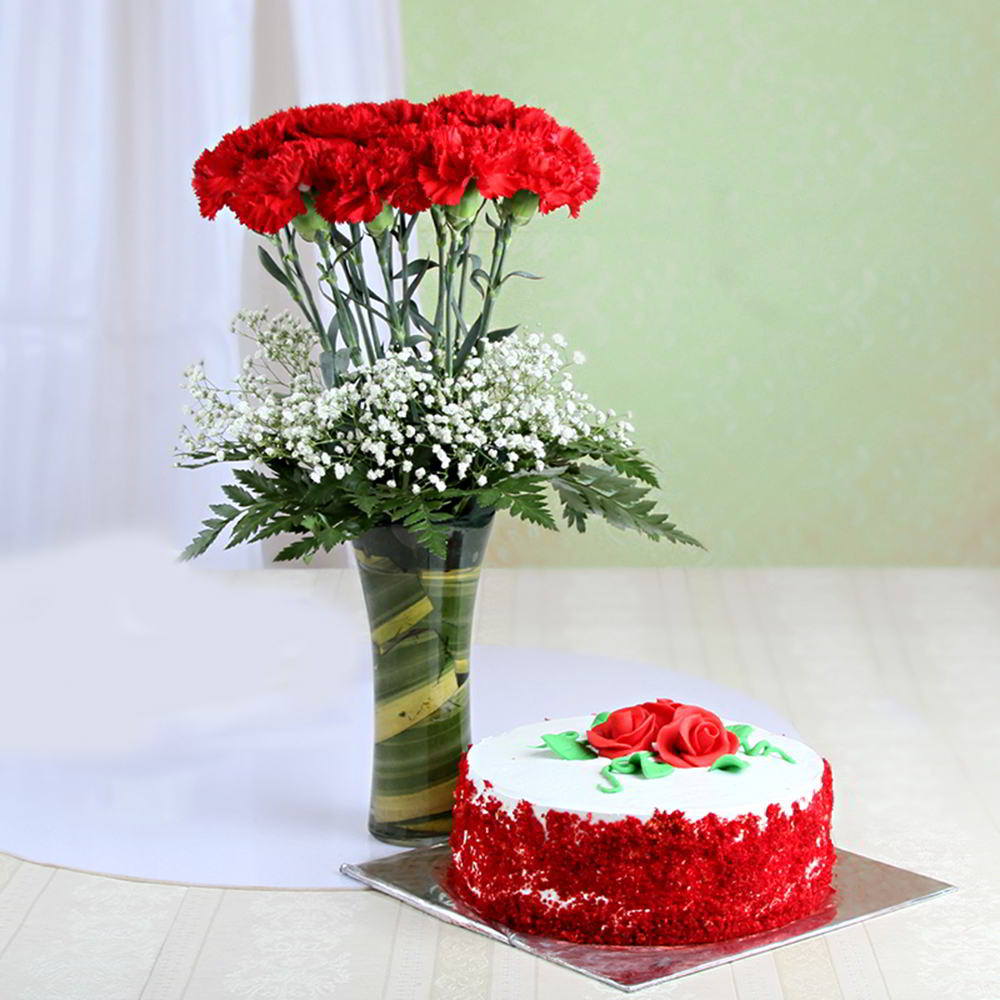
110,282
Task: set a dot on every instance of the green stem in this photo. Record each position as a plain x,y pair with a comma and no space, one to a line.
501,239
359,267
347,323
404,249
293,285
439,310
466,241
346,266
293,254
450,328
383,249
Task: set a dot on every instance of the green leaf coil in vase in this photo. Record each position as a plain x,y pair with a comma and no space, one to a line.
420,608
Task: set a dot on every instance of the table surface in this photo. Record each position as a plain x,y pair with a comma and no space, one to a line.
893,674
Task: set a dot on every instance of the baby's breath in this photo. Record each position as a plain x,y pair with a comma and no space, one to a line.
392,421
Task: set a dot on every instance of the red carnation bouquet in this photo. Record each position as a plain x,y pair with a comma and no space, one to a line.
350,162
324,172
413,407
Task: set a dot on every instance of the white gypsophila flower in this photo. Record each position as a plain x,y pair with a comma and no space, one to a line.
393,422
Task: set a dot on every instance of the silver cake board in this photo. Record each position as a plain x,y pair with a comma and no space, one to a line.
863,888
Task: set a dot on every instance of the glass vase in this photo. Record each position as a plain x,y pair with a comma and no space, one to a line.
420,609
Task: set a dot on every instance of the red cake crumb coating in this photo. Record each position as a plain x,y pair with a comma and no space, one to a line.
662,881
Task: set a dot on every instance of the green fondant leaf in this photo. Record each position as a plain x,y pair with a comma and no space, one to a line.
729,762
742,731
599,718
654,768
763,748
568,746
613,782
628,764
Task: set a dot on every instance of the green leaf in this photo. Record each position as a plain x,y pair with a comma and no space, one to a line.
340,239
419,277
763,748
332,365
343,322
212,527
471,337
742,731
301,549
568,745
262,485
631,464
420,266
622,502
495,335
521,274
729,762
599,718
238,495
614,785
654,768
425,324
628,763
202,541
272,269
331,332
475,277
524,497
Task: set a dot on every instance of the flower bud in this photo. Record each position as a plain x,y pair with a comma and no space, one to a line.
459,216
382,221
309,223
520,207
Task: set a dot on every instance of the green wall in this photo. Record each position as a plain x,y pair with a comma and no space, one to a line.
789,273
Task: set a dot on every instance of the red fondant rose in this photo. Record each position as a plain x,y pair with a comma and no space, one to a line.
695,738
634,728
663,709
623,732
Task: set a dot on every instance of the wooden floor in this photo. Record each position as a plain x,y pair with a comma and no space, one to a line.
894,675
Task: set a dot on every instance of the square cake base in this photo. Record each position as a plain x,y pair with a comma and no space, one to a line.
862,888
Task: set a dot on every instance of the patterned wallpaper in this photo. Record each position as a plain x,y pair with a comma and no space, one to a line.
789,274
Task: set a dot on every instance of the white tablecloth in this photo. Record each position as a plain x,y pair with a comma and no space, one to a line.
278,795
181,726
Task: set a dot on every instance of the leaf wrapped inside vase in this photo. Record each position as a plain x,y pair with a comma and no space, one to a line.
420,610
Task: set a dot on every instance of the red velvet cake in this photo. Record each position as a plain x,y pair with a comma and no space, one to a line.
654,824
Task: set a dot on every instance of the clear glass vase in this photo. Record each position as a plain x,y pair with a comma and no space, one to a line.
420,609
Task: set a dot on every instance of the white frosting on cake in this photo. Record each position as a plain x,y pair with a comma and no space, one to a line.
518,770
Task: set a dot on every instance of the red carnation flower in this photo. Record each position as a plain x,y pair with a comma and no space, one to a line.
348,183
216,175
400,153
534,121
504,166
356,122
401,112
468,108
449,165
